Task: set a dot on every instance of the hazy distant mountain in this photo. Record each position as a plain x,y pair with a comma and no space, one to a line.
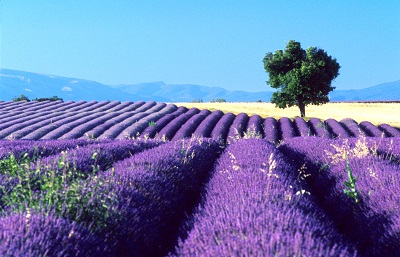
386,91
14,83
187,93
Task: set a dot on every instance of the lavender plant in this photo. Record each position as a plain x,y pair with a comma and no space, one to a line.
371,223
206,126
254,206
157,190
270,126
221,129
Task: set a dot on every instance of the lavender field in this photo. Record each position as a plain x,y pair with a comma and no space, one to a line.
153,179
116,120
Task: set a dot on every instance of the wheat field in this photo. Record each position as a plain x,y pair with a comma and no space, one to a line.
376,113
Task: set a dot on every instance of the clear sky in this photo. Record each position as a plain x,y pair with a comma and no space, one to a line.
205,42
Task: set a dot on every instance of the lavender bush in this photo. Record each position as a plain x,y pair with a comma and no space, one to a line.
156,190
255,205
368,217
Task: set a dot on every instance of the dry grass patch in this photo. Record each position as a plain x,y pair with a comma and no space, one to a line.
376,113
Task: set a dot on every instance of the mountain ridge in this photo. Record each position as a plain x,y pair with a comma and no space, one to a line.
13,83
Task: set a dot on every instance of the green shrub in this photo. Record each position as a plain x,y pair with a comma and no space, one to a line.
60,189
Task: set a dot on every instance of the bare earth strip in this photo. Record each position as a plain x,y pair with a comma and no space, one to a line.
376,113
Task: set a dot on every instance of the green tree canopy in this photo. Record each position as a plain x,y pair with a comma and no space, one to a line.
22,97
303,77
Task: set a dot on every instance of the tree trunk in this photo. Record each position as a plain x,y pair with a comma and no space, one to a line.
302,108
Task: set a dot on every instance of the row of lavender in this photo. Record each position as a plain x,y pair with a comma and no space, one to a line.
357,183
116,120
294,200
146,196
183,198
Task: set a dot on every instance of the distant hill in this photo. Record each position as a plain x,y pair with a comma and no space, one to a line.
187,92
382,92
14,83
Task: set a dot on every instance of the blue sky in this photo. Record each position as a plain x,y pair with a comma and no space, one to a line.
211,43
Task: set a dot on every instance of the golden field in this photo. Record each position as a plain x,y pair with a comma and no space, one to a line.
376,113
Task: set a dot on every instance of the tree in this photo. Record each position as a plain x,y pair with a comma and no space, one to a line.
303,77
22,97
53,98
218,100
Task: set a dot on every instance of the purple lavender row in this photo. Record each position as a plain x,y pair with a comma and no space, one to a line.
55,106
100,129
238,127
336,129
44,106
64,123
117,131
157,190
152,130
80,130
11,118
151,114
221,129
301,127
255,206
99,156
353,127
45,129
254,125
319,128
38,234
80,105
371,129
7,143
26,117
387,148
13,129
369,217
133,106
23,106
121,106
72,106
377,179
389,130
271,130
91,106
36,149
87,127
8,116
378,186
172,127
128,106
106,106
58,107
190,125
41,106
206,126
9,105
146,106
37,124
286,128
63,128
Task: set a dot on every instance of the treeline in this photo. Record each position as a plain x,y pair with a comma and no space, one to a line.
23,97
